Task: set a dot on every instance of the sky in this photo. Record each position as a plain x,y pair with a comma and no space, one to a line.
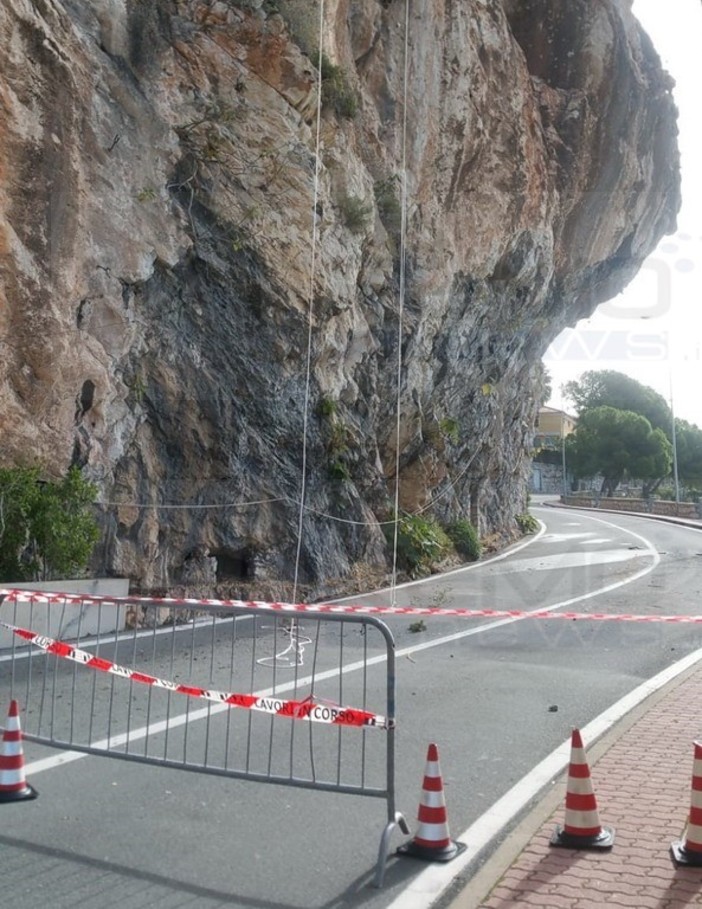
652,331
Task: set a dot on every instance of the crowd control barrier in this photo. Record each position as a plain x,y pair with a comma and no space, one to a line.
209,687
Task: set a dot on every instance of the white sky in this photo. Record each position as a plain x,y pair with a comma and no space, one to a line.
653,330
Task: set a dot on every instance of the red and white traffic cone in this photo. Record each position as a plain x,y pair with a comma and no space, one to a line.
689,850
13,786
432,840
582,828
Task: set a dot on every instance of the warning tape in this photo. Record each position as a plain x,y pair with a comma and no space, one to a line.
27,596
310,709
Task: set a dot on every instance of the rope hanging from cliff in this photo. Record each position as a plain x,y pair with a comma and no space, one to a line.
310,302
401,303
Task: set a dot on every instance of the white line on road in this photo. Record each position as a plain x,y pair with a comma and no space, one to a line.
564,560
136,735
562,537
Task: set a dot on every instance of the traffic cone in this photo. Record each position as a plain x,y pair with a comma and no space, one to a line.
689,850
432,841
13,786
582,828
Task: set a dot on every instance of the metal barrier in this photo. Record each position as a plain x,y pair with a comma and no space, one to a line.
208,687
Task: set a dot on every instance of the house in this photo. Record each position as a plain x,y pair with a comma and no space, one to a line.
552,426
548,464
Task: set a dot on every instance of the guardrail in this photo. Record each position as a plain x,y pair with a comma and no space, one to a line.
208,687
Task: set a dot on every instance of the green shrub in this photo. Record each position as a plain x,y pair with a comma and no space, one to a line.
666,492
137,387
449,428
337,438
147,194
355,213
47,530
337,94
338,470
527,523
465,539
326,407
421,543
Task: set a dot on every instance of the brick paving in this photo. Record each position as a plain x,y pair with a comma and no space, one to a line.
642,783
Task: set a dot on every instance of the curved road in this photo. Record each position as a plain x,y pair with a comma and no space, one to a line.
497,696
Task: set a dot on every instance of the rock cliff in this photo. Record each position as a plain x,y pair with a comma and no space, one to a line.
222,305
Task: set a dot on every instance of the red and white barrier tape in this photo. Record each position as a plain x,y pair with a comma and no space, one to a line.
309,709
28,596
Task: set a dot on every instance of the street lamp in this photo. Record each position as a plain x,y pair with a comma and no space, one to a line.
563,458
675,441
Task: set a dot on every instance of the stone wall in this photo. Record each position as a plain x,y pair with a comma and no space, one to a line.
546,478
690,510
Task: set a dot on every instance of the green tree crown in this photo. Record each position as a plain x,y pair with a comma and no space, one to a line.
618,444
609,388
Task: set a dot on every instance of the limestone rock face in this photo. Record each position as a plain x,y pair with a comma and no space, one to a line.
208,293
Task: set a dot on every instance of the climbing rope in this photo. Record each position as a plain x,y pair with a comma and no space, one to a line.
401,304
292,655
310,301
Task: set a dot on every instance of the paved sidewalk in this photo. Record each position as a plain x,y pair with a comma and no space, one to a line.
642,776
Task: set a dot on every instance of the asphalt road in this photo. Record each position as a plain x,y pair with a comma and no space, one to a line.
497,696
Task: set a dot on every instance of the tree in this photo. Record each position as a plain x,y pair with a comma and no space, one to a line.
609,388
688,443
46,529
19,493
618,444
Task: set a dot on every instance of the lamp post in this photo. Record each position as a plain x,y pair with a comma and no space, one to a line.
563,458
675,443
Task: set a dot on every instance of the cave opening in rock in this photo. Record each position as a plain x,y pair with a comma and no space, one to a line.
234,565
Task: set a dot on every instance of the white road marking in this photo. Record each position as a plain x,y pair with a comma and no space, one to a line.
559,561
135,735
562,537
